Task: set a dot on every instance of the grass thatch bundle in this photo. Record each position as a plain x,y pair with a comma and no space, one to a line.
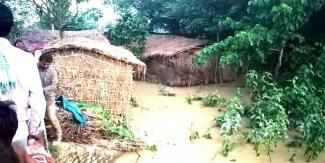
102,152
94,142
99,126
79,153
74,132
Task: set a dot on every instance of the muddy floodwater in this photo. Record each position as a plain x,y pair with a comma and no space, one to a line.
168,122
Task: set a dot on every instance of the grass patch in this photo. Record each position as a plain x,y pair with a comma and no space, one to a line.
111,128
55,151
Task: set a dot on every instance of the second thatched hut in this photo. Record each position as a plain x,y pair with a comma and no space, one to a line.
169,58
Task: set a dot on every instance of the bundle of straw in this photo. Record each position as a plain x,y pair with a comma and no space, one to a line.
104,151
74,132
92,133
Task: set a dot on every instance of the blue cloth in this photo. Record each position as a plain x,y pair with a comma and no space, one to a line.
73,109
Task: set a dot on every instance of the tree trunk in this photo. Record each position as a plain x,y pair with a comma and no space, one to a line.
220,74
215,73
61,33
278,66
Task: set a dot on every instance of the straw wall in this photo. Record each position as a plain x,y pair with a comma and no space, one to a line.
178,70
84,77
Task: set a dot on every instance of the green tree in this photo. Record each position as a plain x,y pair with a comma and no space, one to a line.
263,34
130,31
22,14
285,85
192,18
87,19
56,13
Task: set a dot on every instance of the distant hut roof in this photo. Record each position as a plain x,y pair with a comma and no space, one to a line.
169,45
42,37
101,48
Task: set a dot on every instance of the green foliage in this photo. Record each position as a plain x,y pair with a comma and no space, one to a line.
207,135
22,16
194,135
86,20
268,117
213,99
56,13
55,151
306,107
112,128
130,31
230,122
153,148
287,80
262,34
189,99
122,130
313,133
194,18
302,96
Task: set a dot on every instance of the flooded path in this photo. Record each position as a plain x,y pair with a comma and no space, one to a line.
168,122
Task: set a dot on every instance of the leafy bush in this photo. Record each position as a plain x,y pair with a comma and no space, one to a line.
112,128
230,122
313,133
213,99
305,106
189,99
302,96
268,117
122,130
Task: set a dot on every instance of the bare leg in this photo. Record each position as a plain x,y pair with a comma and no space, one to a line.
51,113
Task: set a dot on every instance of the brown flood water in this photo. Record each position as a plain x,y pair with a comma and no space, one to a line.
167,122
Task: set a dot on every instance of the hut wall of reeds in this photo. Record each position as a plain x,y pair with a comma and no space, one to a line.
95,72
169,58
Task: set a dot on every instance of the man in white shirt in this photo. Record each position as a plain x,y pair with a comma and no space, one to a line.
26,92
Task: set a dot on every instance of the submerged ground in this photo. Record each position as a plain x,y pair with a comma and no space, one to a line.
168,122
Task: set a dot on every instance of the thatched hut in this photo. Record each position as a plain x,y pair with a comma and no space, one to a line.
41,37
93,71
169,58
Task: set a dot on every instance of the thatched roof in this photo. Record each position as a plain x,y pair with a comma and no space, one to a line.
169,45
101,48
39,37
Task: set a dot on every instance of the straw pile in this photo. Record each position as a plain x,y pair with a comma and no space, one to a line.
79,153
92,133
74,132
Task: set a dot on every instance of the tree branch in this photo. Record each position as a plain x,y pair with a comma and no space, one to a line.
46,10
278,66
